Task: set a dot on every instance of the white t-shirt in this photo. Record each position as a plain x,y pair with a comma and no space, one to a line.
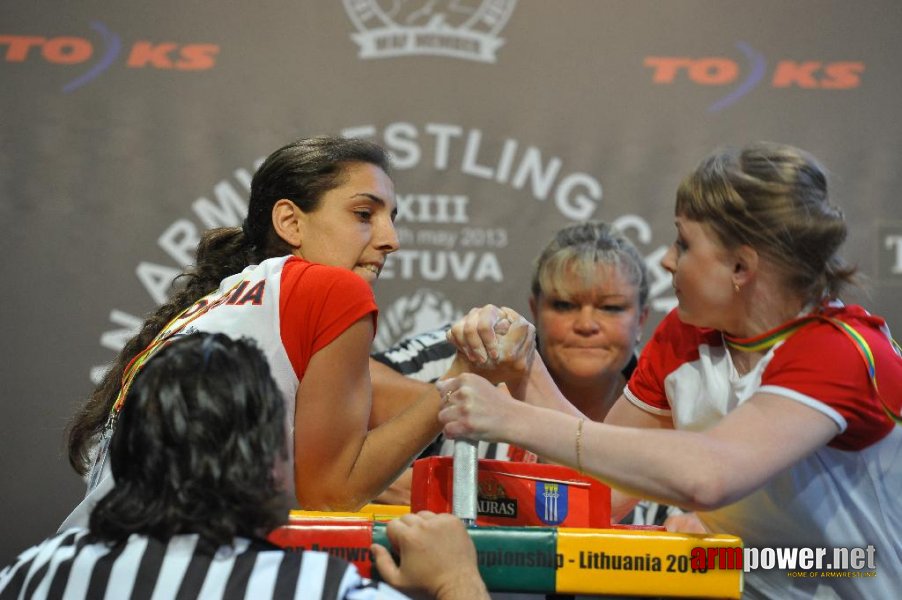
846,494
290,307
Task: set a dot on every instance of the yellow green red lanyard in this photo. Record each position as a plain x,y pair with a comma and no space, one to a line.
158,343
769,339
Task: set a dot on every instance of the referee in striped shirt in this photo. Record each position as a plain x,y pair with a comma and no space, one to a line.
197,457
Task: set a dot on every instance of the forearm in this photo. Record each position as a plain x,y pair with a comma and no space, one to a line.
393,393
398,492
700,470
339,464
465,588
388,449
542,391
515,377
667,466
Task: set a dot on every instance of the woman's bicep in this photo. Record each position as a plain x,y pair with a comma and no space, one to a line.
333,406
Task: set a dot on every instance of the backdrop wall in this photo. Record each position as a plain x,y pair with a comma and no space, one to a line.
127,130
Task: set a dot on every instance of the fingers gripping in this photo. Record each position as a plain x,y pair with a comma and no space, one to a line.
473,407
490,336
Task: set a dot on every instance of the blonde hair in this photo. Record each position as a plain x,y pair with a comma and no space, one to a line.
772,197
579,249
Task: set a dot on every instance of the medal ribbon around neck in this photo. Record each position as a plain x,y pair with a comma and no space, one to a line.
159,342
769,339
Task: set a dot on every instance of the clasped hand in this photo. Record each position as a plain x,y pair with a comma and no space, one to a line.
474,408
499,345
494,338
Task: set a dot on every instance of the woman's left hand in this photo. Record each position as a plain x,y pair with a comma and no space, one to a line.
473,408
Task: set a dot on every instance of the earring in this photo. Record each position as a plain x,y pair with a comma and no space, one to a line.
735,287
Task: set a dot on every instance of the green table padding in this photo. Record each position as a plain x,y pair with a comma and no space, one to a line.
511,559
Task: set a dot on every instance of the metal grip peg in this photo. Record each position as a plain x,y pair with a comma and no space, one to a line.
465,481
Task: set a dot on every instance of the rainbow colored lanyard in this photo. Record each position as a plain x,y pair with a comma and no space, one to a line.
769,339
158,343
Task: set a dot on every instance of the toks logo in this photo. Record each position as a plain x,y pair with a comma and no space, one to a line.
68,50
720,71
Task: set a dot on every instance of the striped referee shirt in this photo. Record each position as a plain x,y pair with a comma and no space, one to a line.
76,565
424,357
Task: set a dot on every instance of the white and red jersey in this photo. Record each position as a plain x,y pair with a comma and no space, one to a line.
290,307
845,494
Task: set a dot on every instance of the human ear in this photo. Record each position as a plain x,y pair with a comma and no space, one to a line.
746,265
287,222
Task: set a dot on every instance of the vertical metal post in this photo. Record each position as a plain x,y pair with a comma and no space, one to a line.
465,481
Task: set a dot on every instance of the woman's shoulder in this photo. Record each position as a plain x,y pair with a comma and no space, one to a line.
290,262
856,316
836,359
323,277
835,322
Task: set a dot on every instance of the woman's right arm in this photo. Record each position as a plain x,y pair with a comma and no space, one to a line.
339,465
626,414
700,470
393,393
542,391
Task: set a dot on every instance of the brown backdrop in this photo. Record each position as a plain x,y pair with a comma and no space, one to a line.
126,130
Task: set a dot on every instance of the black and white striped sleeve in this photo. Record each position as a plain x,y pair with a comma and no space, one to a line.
425,357
43,568
75,565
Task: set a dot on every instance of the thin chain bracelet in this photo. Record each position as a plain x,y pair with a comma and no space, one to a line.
579,446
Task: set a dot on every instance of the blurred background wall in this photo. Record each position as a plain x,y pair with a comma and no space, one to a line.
126,129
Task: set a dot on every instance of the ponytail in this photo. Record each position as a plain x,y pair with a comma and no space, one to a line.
837,276
302,172
220,253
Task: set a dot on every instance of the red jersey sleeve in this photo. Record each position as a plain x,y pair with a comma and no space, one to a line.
823,363
672,344
316,304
